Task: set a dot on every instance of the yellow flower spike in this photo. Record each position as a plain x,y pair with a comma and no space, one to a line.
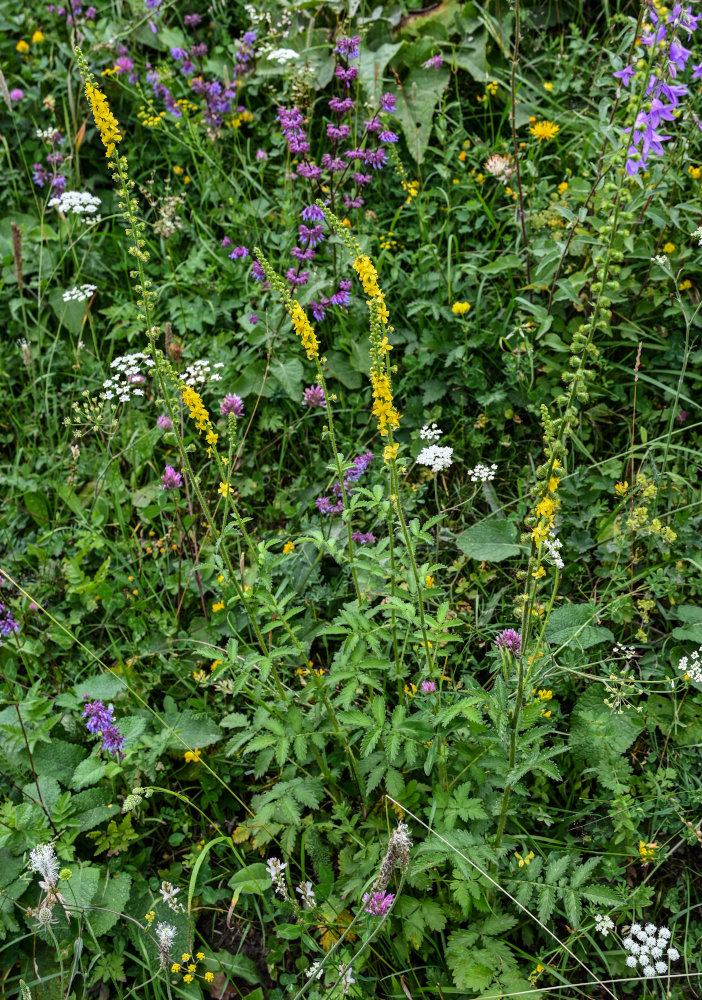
105,121
304,330
363,266
390,452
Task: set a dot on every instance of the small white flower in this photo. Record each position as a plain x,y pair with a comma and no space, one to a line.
430,432
661,967
76,203
649,972
168,896
165,934
307,893
282,56
641,934
650,929
276,867
656,952
79,294
673,954
698,235
346,978
482,473
628,943
604,924
315,971
436,458
635,929
634,948
664,932
660,259
631,961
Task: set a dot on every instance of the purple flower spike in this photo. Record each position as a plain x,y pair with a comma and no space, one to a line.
171,480
312,214
314,396
387,103
232,404
434,62
363,538
379,903
509,640
8,625
98,716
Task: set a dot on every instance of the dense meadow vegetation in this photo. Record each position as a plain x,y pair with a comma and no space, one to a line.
350,533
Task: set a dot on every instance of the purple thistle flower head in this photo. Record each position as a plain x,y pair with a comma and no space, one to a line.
374,125
232,404
312,213
376,158
314,396
16,94
311,235
8,625
165,422
309,254
428,687
387,103
363,538
510,640
171,480
379,903
239,252
309,170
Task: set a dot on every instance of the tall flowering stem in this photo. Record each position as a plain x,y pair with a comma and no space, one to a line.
305,331
384,410
118,166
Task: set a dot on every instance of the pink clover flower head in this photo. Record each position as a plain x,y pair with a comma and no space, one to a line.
510,640
225,242
16,95
314,396
434,62
379,903
261,155
428,687
171,480
232,404
164,422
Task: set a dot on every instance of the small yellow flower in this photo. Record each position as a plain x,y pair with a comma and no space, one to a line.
544,131
346,223
188,978
390,452
621,488
191,758
185,956
411,690
462,156
460,308
200,956
288,547
548,86
209,977
539,573
562,187
525,861
178,170
22,46
175,967
217,607
150,916
38,36
684,285
669,248
224,489
647,852
695,172
428,581
192,967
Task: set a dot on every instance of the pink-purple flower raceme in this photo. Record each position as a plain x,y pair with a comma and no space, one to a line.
326,505
510,640
171,479
663,93
101,721
363,537
378,903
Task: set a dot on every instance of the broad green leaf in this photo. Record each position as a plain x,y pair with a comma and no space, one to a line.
416,102
489,541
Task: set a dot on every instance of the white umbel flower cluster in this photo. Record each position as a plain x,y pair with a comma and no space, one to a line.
691,666
200,372
127,378
79,293
76,203
430,432
482,473
283,56
697,235
603,924
553,547
436,457
647,947
626,652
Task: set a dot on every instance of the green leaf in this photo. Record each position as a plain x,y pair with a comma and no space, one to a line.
113,896
253,880
289,376
88,772
489,541
197,730
239,967
570,626
416,101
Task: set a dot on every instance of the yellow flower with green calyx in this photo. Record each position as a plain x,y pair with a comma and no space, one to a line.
544,131
105,121
287,548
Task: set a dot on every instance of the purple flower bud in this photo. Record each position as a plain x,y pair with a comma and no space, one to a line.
232,404
239,252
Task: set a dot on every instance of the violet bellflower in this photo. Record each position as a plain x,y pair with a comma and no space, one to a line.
8,625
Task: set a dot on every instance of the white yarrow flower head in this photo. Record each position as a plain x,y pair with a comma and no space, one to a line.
127,377
276,867
315,971
430,432
76,203
44,862
305,891
482,473
80,293
283,56
436,458
649,953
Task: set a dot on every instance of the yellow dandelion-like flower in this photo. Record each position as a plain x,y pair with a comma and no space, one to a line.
185,956
224,489
175,967
38,36
695,172
22,46
548,85
544,131
669,248
105,121
192,967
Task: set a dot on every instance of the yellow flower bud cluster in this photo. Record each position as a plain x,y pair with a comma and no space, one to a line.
546,506
105,121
